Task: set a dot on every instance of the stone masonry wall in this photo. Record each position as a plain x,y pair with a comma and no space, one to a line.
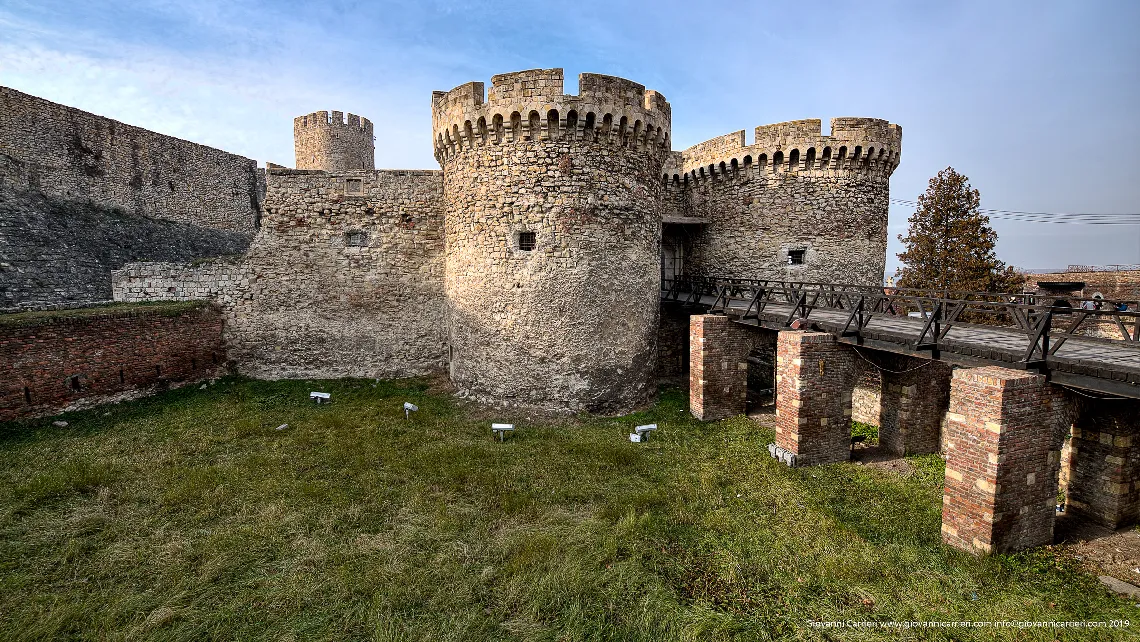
81,195
334,285
570,324
200,280
1104,462
673,340
338,285
814,378
866,396
754,223
54,251
80,357
72,155
1004,432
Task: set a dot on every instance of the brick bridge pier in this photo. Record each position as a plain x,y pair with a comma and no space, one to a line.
1001,430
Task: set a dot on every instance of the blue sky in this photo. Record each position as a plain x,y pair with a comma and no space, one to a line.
1036,102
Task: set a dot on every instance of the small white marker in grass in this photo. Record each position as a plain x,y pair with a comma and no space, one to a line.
320,397
282,426
502,429
640,434
409,408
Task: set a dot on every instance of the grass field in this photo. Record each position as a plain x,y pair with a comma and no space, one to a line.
189,516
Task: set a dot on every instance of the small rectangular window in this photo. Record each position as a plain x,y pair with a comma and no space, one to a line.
526,241
355,238
796,257
73,383
353,187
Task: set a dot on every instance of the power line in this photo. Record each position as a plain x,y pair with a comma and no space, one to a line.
1049,217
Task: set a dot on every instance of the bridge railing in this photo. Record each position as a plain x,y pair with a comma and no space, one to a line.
1047,322
1027,298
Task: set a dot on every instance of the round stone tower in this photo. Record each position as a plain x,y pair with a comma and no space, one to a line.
331,144
553,232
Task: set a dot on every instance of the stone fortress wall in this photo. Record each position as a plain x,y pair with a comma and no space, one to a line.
344,279
55,252
530,264
553,224
329,142
340,284
69,154
81,195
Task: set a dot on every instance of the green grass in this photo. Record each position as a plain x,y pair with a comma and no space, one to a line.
869,433
188,516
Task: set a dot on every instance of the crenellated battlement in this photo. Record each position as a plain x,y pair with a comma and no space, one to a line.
530,105
328,120
856,146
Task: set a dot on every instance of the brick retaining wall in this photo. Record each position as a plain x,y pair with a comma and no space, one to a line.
49,362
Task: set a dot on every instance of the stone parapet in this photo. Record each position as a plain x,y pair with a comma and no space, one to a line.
865,147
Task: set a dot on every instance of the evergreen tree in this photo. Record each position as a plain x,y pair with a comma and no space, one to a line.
950,244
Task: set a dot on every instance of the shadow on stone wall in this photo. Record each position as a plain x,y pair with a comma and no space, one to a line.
56,251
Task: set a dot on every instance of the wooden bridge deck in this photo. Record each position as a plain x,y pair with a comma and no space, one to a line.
1103,365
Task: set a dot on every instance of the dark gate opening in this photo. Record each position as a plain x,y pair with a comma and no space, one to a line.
761,379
